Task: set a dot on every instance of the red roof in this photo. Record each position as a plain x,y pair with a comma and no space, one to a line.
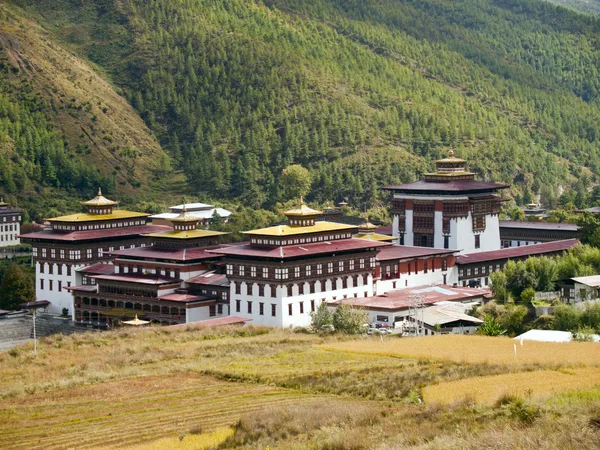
173,254
135,278
401,299
539,225
229,320
83,288
210,279
466,186
299,250
73,236
518,252
184,298
387,230
98,269
405,252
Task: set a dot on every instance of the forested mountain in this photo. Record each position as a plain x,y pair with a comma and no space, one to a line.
586,6
362,92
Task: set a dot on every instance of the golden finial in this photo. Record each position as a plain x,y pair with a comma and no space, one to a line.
302,200
99,191
451,153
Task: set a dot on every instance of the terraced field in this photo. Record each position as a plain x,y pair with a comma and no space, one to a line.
258,388
135,410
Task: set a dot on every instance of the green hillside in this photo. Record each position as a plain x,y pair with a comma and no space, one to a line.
363,93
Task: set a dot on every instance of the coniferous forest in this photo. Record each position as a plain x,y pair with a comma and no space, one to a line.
363,93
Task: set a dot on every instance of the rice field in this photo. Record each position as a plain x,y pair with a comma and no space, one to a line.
262,388
477,349
134,411
535,384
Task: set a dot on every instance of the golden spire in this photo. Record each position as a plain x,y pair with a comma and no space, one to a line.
303,210
99,200
451,153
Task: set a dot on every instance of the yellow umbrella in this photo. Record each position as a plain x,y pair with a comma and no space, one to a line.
136,321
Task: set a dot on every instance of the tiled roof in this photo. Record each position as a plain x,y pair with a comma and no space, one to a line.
454,186
220,321
401,299
537,225
88,235
98,269
83,288
518,252
173,254
187,234
184,298
86,217
300,250
210,279
405,252
389,230
137,278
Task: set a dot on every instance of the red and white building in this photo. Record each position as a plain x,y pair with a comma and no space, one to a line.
77,240
10,225
448,209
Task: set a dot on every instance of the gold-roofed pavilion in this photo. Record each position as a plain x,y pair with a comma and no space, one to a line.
185,217
100,200
450,168
302,211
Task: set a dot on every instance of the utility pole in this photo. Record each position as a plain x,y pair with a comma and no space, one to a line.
415,308
33,311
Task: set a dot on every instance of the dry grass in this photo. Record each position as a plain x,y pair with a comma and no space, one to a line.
531,384
477,349
189,441
132,411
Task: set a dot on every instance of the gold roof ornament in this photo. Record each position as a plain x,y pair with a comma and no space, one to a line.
185,217
367,226
2,202
451,158
302,211
99,200
136,322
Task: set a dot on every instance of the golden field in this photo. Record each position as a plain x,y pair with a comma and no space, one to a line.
477,349
251,387
527,384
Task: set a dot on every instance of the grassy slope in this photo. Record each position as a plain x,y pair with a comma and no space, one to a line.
95,121
278,389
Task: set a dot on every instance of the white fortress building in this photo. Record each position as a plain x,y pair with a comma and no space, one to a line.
448,209
10,225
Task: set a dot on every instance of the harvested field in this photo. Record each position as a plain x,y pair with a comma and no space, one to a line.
524,384
477,349
131,411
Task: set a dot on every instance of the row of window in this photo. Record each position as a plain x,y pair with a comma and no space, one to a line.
14,219
301,240
51,285
11,227
59,269
10,237
306,271
312,286
76,254
164,271
478,271
100,226
261,308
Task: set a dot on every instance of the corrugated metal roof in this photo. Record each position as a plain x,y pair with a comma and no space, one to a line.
518,252
88,235
538,225
405,252
453,186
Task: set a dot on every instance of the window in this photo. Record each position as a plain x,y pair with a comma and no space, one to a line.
249,307
341,266
59,269
261,290
319,269
273,309
41,283
238,306
351,264
476,271
212,312
301,289
69,268
220,309
308,270
301,307
229,269
261,309
265,272
297,272
362,263
50,268
312,305
253,271
446,241
242,271
289,309
238,290
42,265
477,241
51,283
468,272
